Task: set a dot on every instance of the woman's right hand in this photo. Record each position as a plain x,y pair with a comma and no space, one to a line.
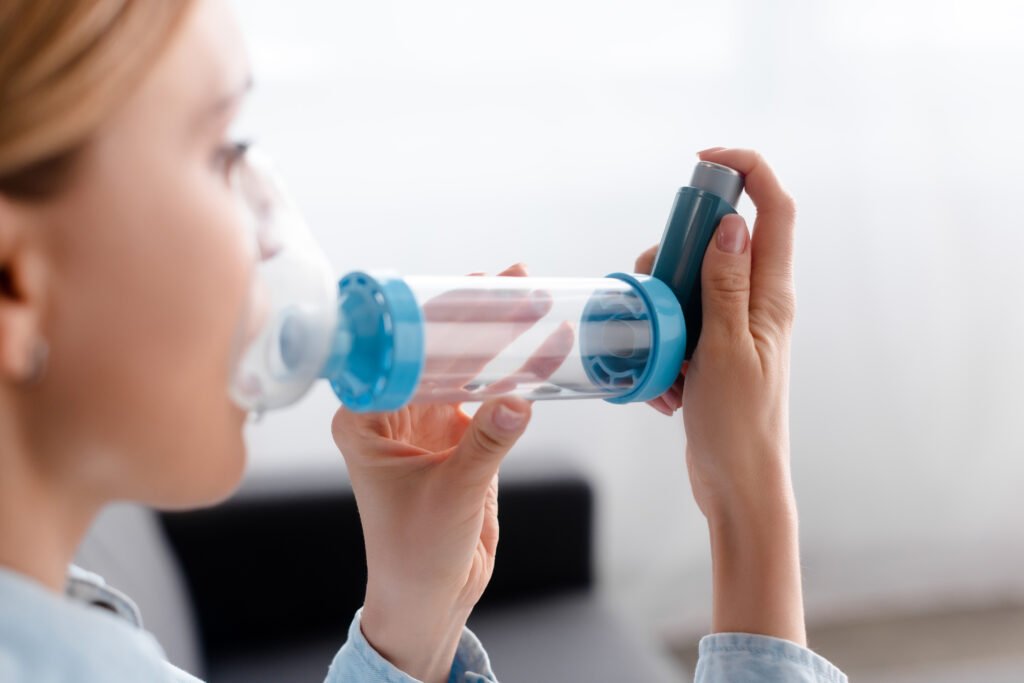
735,398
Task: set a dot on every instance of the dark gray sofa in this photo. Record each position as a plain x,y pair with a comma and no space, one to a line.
262,588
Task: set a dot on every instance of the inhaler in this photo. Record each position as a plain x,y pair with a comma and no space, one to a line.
383,341
712,194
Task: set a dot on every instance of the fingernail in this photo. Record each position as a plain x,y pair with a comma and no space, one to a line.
732,234
710,149
675,401
660,406
507,419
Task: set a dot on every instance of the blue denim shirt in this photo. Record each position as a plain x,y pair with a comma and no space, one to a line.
46,637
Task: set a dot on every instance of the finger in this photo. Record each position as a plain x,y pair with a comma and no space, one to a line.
673,399
461,344
725,280
765,191
468,328
489,532
452,305
488,304
471,326
348,427
360,436
495,428
517,270
645,261
500,303
774,228
659,405
541,364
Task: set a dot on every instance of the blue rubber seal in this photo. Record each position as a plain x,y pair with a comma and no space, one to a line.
668,342
378,352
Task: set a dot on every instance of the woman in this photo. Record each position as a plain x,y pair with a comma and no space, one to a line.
124,270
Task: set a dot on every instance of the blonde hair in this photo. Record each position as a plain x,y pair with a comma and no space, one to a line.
64,66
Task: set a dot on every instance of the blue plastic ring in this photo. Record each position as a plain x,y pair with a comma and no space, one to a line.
668,338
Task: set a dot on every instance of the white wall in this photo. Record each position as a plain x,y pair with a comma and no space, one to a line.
462,135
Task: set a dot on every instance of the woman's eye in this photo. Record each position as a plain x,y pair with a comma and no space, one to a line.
227,156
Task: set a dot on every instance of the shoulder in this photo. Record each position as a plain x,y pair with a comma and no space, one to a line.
44,636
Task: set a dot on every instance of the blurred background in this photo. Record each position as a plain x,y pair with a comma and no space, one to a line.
460,135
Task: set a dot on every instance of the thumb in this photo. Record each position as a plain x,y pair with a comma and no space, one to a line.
495,428
725,278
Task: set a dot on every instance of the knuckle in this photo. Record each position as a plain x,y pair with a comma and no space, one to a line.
782,312
757,161
786,206
483,442
781,305
787,309
729,285
768,341
778,315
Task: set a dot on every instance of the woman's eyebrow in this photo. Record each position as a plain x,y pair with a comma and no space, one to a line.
227,101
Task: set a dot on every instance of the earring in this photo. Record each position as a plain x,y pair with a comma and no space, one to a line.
37,367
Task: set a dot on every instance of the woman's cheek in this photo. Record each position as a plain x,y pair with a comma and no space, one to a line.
218,292
227,256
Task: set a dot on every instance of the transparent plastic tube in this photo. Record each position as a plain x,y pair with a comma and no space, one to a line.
452,339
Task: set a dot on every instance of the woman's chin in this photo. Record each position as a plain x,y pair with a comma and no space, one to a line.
211,479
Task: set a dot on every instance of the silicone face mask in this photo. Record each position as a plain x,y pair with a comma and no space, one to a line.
286,332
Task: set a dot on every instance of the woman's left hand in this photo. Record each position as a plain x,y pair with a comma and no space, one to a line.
425,479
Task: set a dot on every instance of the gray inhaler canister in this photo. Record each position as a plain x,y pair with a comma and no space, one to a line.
713,193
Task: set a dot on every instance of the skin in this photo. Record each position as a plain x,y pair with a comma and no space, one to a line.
738,458
425,477
136,277
426,482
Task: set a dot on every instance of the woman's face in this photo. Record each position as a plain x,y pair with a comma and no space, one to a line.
148,273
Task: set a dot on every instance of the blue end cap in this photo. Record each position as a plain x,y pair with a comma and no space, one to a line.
668,341
378,352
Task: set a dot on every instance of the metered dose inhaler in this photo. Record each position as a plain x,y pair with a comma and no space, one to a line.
712,194
384,341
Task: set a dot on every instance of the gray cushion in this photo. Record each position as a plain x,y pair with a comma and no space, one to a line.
126,546
568,639
574,639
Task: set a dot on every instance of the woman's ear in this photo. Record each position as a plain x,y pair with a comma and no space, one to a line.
22,276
